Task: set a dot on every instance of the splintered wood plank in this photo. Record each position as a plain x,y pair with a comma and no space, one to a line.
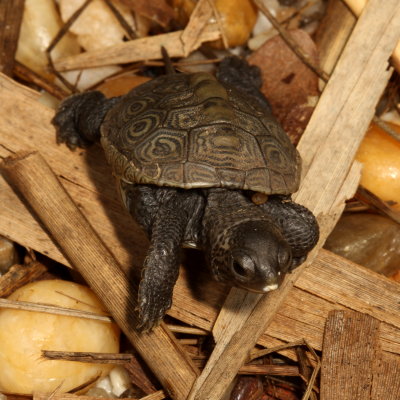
348,356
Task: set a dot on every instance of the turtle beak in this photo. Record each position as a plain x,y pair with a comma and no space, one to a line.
247,275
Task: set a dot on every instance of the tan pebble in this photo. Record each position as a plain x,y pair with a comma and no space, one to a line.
24,334
380,155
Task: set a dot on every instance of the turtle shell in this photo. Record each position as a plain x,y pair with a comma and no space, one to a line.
191,131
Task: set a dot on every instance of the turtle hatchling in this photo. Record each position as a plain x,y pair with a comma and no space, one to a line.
190,152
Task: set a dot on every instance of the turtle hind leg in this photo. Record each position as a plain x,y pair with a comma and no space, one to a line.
161,266
246,78
297,223
79,117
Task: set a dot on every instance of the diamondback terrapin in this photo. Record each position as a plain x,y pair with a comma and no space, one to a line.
188,151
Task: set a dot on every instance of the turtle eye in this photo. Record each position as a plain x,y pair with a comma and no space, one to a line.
243,267
238,269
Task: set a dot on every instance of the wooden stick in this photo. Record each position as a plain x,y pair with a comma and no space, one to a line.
10,22
278,370
82,246
46,308
125,358
367,197
137,50
98,358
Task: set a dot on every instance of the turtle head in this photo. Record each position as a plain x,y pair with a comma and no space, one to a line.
253,255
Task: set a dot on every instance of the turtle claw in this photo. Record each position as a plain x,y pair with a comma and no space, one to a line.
152,307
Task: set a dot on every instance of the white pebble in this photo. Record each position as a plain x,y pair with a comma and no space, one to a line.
120,380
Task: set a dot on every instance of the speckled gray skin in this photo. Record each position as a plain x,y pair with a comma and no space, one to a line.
187,151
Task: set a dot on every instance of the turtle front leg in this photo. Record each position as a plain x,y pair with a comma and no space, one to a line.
79,117
297,223
167,230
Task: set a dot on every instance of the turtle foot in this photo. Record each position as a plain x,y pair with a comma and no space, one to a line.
65,122
238,72
79,117
155,299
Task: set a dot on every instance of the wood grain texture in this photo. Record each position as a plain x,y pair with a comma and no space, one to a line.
10,22
386,382
348,355
88,254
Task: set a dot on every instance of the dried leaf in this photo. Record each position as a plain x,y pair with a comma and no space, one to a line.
287,81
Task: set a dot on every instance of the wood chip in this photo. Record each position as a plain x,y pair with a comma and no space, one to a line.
348,354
